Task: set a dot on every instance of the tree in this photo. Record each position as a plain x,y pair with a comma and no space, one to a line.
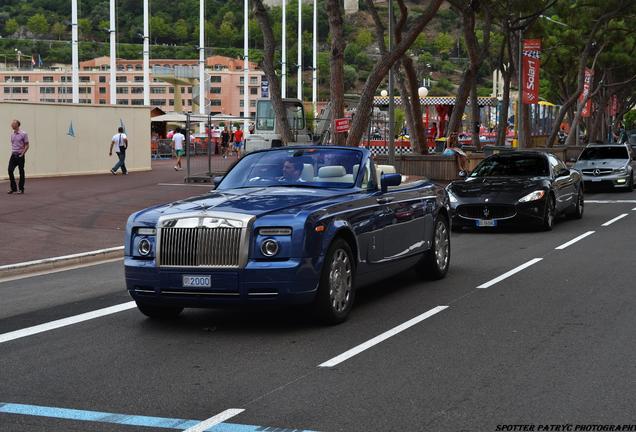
159,28
444,43
58,30
336,66
37,24
181,31
10,27
85,27
282,124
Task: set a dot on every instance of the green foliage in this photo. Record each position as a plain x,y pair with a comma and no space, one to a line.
181,31
364,38
85,26
350,77
444,43
10,27
37,24
442,87
58,30
630,120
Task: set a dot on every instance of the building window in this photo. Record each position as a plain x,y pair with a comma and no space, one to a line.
253,90
138,67
122,101
122,90
47,79
85,90
65,78
139,78
47,90
252,104
242,80
64,90
241,103
171,102
129,67
84,79
47,100
215,90
190,90
157,90
241,91
253,80
136,90
102,90
65,100
157,102
102,79
215,102
121,79
25,79
102,102
215,78
137,102
85,101
183,90
171,90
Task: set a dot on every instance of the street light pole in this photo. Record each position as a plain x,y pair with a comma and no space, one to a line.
391,101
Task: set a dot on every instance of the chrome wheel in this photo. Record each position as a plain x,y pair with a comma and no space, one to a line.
340,278
548,218
442,246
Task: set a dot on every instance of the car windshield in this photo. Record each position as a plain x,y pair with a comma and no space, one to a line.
607,152
511,166
311,167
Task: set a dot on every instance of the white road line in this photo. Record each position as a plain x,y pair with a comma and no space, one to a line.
61,258
510,273
574,240
30,331
58,270
213,421
634,209
609,222
611,201
380,338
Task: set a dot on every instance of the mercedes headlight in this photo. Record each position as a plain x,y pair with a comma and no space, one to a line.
533,196
620,171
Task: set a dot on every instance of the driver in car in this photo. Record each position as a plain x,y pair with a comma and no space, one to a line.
292,170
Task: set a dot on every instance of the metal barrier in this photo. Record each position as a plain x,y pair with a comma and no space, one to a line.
161,149
203,159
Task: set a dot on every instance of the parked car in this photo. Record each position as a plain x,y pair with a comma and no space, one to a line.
607,165
519,187
289,225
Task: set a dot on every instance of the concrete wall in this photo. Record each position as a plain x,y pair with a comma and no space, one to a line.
53,152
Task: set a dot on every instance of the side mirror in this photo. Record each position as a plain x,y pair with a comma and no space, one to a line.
217,180
563,173
388,180
463,174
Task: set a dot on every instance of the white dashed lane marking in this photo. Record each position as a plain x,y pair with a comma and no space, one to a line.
609,222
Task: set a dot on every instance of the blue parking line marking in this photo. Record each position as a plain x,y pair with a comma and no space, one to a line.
128,420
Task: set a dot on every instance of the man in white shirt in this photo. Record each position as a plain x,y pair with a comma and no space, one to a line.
178,139
120,142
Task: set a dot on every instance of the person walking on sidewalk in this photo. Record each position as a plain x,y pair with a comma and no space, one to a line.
120,141
178,139
238,141
225,142
19,147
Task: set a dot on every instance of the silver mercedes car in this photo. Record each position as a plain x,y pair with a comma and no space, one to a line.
607,165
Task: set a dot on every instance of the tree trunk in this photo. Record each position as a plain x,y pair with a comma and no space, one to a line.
381,69
406,101
455,121
418,134
502,125
474,114
336,83
282,125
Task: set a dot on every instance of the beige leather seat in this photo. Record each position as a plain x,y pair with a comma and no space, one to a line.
308,173
333,173
383,169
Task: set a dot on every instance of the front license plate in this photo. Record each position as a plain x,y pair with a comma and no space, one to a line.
596,179
486,223
198,281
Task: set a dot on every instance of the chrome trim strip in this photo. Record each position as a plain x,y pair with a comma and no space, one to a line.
263,294
201,293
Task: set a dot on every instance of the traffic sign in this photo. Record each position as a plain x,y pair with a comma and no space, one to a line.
342,125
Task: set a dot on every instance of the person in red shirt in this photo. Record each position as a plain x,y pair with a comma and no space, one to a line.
238,141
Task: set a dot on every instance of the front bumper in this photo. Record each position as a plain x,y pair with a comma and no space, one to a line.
530,213
293,281
613,181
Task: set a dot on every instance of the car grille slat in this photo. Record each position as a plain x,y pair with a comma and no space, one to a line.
597,171
482,211
200,247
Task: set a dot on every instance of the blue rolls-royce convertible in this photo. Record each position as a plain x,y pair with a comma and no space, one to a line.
292,225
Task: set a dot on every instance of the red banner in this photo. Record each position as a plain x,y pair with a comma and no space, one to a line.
531,64
586,110
613,106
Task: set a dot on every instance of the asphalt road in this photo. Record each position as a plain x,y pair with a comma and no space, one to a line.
552,344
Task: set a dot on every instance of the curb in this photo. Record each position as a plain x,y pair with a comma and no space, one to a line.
56,263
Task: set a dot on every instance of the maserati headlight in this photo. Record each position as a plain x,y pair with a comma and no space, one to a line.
451,196
533,196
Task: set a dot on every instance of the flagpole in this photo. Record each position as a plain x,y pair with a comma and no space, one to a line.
283,81
246,66
74,52
113,55
202,62
314,73
146,56
299,86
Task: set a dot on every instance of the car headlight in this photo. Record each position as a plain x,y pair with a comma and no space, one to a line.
620,170
269,247
144,248
533,196
451,196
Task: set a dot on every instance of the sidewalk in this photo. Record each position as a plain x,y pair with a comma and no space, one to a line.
67,215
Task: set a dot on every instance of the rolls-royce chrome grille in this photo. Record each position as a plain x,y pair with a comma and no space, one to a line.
200,247
203,240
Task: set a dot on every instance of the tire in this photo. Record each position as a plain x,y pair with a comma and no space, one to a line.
577,212
158,312
630,186
336,290
549,215
436,261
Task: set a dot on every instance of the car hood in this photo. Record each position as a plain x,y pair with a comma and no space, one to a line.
600,163
252,201
497,188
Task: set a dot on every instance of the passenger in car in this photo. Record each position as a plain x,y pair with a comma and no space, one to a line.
292,169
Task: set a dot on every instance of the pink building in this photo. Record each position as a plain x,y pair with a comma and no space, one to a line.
224,93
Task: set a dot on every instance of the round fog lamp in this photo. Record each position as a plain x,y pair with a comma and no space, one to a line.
144,247
269,247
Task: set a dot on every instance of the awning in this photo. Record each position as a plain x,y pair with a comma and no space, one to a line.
176,117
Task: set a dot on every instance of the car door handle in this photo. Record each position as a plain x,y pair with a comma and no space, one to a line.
385,200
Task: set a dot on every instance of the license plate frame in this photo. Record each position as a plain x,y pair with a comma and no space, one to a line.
486,223
196,281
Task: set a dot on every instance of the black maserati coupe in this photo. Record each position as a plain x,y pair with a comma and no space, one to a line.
516,187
